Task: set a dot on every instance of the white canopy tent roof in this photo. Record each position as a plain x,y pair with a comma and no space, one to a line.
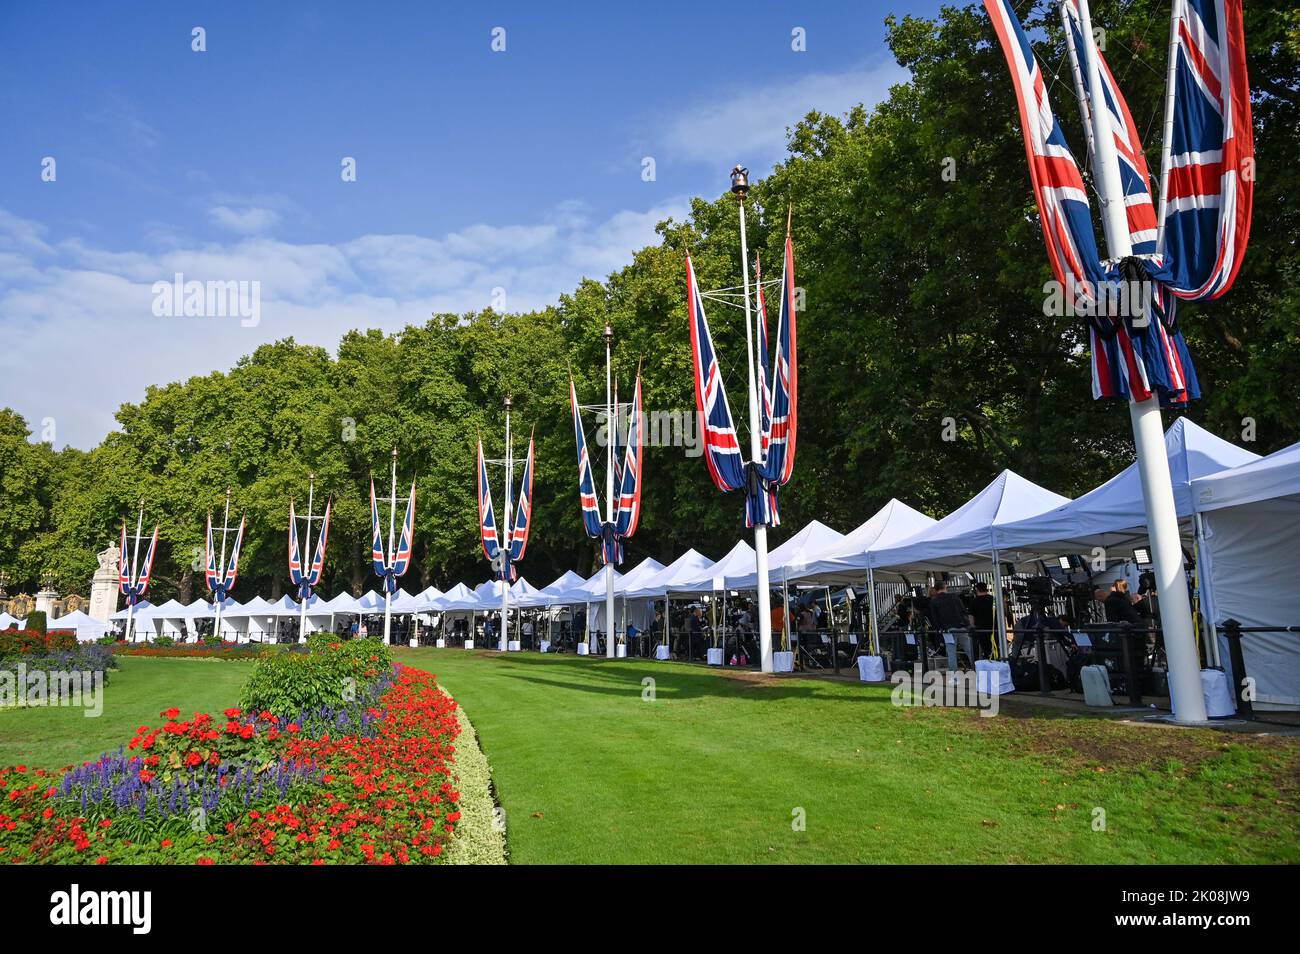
423,601
737,564
207,609
845,561
593,590
686,565
967,536
6,621
142,606
644,570
343,604
1264,478
85,627
1114,515
521,590
792,556
556,592
288,606
460,598
257,606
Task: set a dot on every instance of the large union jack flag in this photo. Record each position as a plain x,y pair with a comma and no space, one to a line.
778,388
307,580
487,521
132,581
1134,175
721,444
1137,351
391,571
1209,177
222,582
627,476
523,514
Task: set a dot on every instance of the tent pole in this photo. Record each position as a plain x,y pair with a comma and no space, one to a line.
1203,584
871,602
1184,664
1000,617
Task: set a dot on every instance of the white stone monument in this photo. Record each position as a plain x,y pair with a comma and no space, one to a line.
103,587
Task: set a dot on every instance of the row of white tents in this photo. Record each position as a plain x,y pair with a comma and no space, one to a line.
1239,513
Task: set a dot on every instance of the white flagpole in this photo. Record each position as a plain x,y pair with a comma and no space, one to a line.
392,551
221,566
133,572
741,189
305,566
504,643
1148,432
611,432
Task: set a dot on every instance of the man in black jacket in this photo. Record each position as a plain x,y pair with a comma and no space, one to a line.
982,613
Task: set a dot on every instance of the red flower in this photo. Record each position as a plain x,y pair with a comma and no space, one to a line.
171,713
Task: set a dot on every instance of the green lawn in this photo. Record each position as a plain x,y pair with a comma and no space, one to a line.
51,737
715,769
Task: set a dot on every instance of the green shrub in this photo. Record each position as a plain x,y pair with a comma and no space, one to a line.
330,674
36,621
163,641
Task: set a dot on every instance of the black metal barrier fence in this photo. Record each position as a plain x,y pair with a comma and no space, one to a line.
1233,631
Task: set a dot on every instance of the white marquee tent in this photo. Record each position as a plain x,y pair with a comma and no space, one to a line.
1250,524
688,564
1113,515
845,561
791,558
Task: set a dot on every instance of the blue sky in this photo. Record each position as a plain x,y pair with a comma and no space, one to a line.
476,170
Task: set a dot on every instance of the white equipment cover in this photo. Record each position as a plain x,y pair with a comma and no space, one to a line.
966,537
1113,515
1251,521
845,561
792,556
86,628
687,565
738,564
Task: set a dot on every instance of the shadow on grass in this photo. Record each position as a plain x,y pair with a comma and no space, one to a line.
672,680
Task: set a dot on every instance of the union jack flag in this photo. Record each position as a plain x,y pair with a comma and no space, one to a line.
487,521
586,481
378,558
629,475
721,445
782,385
523,513
222,583
318,561
777,387
306,582
133,581
1134,175
1132,357
1209,175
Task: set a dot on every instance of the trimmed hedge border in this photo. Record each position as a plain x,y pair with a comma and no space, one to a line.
477,840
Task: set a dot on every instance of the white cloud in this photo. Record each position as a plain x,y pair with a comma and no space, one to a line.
749,125
81,337
245,221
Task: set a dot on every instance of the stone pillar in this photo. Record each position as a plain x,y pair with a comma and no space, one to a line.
103,587
45,603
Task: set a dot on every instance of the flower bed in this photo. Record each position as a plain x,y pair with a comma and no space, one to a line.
28,642
361,781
